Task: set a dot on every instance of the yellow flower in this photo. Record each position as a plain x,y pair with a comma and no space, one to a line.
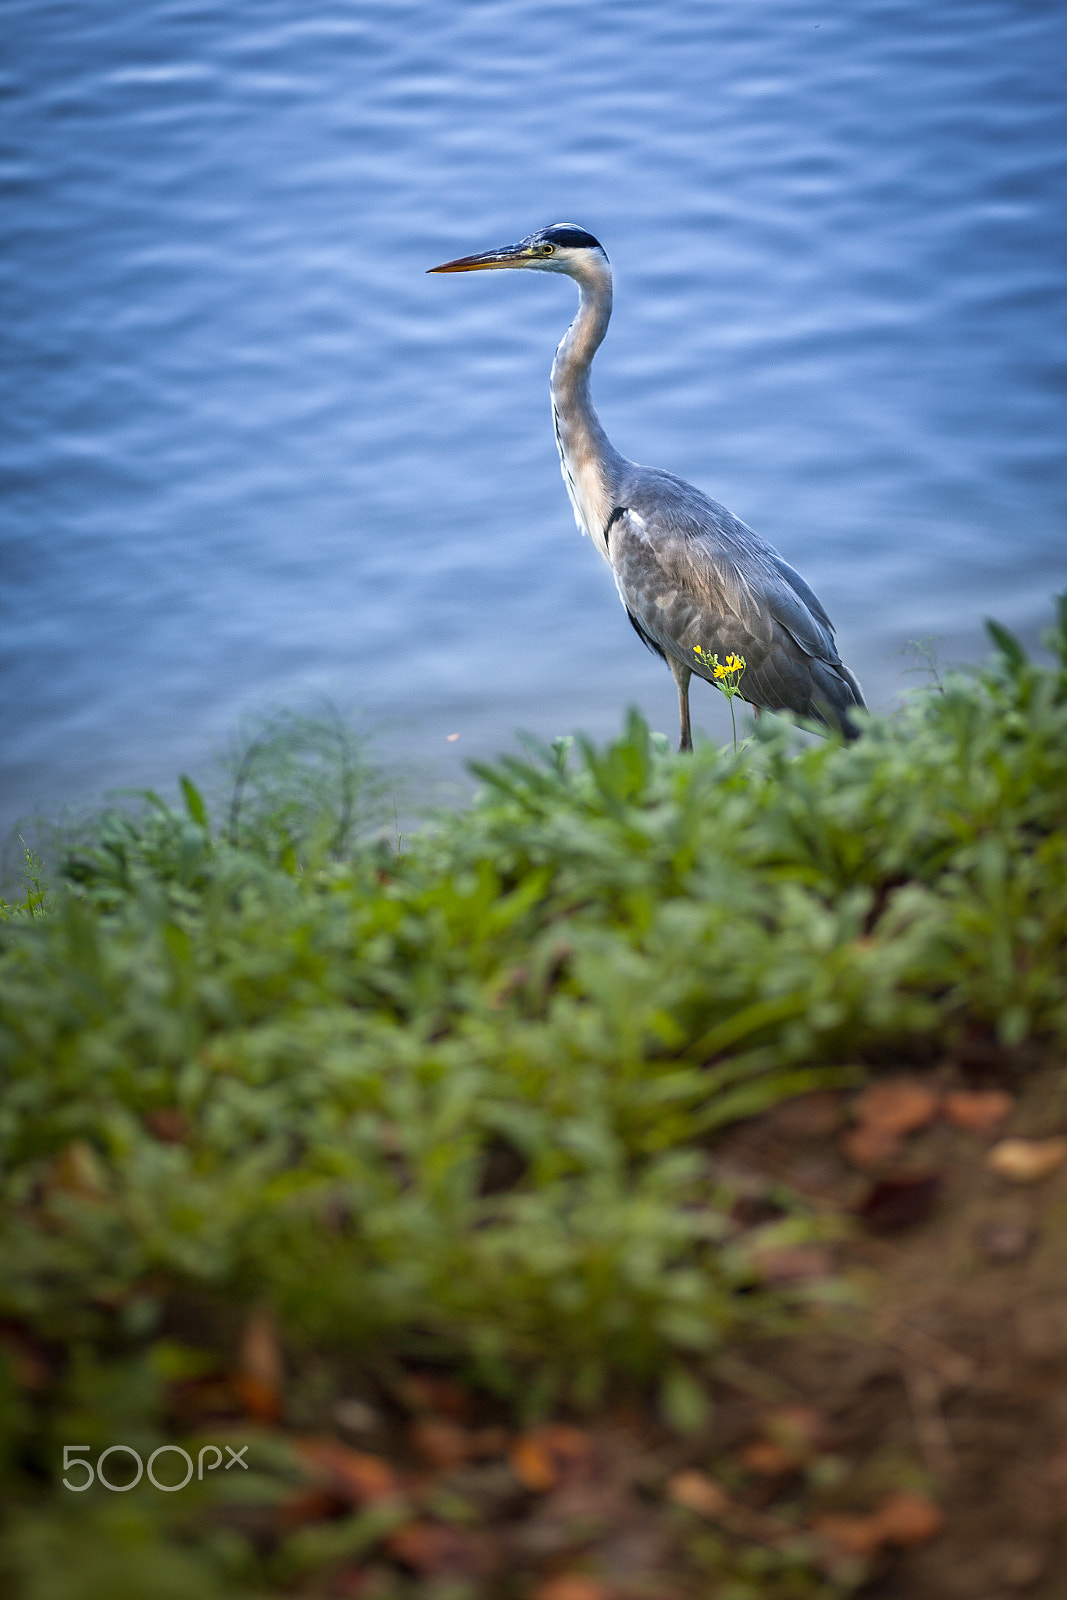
735,663
720,671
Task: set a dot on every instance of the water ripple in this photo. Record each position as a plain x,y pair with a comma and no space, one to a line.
252,452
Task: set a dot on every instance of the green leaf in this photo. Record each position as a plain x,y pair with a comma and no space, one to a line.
1007,645
194,802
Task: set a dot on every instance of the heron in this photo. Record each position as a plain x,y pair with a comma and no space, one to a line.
697,583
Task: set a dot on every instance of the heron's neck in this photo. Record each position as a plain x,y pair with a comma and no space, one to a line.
591,464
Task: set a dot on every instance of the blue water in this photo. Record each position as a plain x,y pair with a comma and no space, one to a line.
252,454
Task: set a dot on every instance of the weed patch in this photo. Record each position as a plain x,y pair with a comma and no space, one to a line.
457,1110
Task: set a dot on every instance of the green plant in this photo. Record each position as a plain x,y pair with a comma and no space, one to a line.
36,897
459,1104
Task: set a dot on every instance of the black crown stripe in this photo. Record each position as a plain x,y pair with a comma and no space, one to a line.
567,233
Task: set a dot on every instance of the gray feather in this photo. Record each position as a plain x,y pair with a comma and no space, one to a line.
691,574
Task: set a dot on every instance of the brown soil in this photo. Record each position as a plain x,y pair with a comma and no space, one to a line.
908,1445
957,1360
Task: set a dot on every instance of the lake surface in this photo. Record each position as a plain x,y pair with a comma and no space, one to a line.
252,455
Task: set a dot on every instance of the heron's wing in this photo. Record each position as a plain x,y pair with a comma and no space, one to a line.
672,541
792,580
692,574
798,609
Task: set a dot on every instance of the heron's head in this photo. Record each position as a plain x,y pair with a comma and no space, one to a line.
562,247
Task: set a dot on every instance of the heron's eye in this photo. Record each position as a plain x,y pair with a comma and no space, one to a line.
548,249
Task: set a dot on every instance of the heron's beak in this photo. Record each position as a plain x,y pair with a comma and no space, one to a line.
514,255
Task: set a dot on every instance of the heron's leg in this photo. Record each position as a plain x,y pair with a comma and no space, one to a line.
682,676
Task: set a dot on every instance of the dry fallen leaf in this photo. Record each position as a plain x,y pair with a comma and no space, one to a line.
258,1399
853,1533
261,1354
1027,1160
357,1477
573,1586
437,1549
767,1458
551,1455
978,1110
899,1107
258,1383
440,1443
697,1492
485,1443
532,1464
423,1391
903,1519
309,1505
908,1519
867,1146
